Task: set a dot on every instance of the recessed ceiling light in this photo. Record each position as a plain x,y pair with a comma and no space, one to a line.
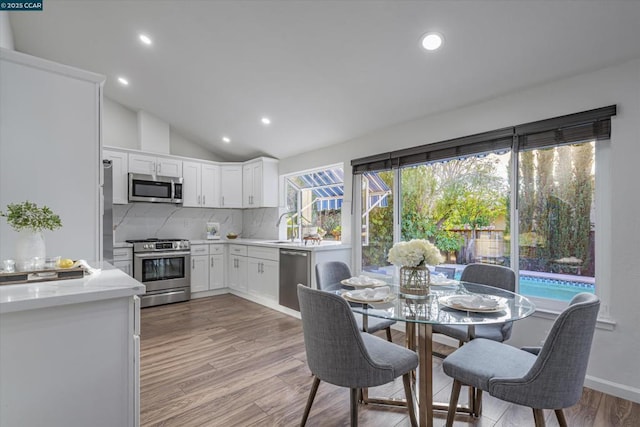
123,81
432,41
145,39
226,139
266,121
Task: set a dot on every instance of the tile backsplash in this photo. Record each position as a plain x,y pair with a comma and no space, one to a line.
145,220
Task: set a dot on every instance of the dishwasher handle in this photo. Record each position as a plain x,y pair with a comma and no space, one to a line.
296,253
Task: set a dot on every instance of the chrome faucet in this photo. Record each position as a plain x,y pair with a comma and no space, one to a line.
282,216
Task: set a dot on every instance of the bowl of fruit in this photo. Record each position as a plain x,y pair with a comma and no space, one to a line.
232,236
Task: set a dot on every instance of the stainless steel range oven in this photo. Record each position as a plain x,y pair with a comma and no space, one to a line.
163,266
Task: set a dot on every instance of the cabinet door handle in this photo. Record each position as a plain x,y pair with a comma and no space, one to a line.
159,167
203,200
211,262
199,199
222,200
193,264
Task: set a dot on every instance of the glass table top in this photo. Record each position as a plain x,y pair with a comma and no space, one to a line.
461,303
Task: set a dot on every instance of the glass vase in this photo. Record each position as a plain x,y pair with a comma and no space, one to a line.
415,281
30,250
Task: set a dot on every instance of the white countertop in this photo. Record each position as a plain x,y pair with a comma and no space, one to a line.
109,283
325,245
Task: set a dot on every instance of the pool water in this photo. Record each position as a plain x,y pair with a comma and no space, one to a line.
562,290
542,287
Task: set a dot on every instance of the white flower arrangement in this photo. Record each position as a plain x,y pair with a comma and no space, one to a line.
414,253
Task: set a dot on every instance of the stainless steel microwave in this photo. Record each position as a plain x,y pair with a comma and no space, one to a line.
155,189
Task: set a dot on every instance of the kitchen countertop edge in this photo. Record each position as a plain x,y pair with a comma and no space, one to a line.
109,283
269,244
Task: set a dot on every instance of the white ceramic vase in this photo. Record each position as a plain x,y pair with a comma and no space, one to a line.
30,245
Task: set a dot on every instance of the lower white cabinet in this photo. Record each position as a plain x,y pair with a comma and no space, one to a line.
263,272
199,273
123,259
216,271
74,364
207,267
237,268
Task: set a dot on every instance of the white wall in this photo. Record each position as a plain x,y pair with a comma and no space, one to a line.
613,366
180,146
120,129
6,35
120,125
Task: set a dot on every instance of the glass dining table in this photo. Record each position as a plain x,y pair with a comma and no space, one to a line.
454,303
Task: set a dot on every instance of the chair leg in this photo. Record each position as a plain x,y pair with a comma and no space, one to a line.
538,417
312,395
477,404
354,407
453,402
561,419
389,334
411,403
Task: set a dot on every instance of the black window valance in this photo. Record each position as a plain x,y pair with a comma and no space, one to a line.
573,128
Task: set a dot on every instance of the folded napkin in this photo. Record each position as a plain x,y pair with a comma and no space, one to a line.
473,301
85,266
362,280
369,294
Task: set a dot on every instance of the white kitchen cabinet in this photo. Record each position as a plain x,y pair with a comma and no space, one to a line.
260,183
216,272
263,272
154,165
201,185
123,259
73,358
231,186
120,177
199,268
50,150
237,268
210,188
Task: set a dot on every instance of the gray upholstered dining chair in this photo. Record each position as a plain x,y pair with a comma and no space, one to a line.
328,277
340,354
550,377
485,274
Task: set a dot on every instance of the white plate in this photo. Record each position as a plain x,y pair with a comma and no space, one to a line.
442,281
477,303
374,283
356,296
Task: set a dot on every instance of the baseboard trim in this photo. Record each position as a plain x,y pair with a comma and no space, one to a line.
615,389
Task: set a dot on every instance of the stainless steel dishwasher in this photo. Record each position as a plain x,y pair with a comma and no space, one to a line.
295,267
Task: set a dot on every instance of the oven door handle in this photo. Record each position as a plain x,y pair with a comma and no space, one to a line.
162,255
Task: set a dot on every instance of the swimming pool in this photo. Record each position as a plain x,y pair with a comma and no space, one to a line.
557,289
551,288
544,285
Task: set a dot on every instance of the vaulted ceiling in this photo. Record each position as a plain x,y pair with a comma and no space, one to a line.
323,71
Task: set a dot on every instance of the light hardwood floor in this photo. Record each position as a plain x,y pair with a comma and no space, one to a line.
225,361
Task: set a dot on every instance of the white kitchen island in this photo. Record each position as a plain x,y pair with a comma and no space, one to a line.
69,351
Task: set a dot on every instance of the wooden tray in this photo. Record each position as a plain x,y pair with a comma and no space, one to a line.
41,275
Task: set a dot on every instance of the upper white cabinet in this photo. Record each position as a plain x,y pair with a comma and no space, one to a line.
210,186
260,183
201,185
153,165
231,186
119,164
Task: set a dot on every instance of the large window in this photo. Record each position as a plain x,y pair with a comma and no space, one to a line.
556,221
314,199
523,197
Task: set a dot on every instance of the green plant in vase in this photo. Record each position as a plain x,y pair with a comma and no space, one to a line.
30,220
